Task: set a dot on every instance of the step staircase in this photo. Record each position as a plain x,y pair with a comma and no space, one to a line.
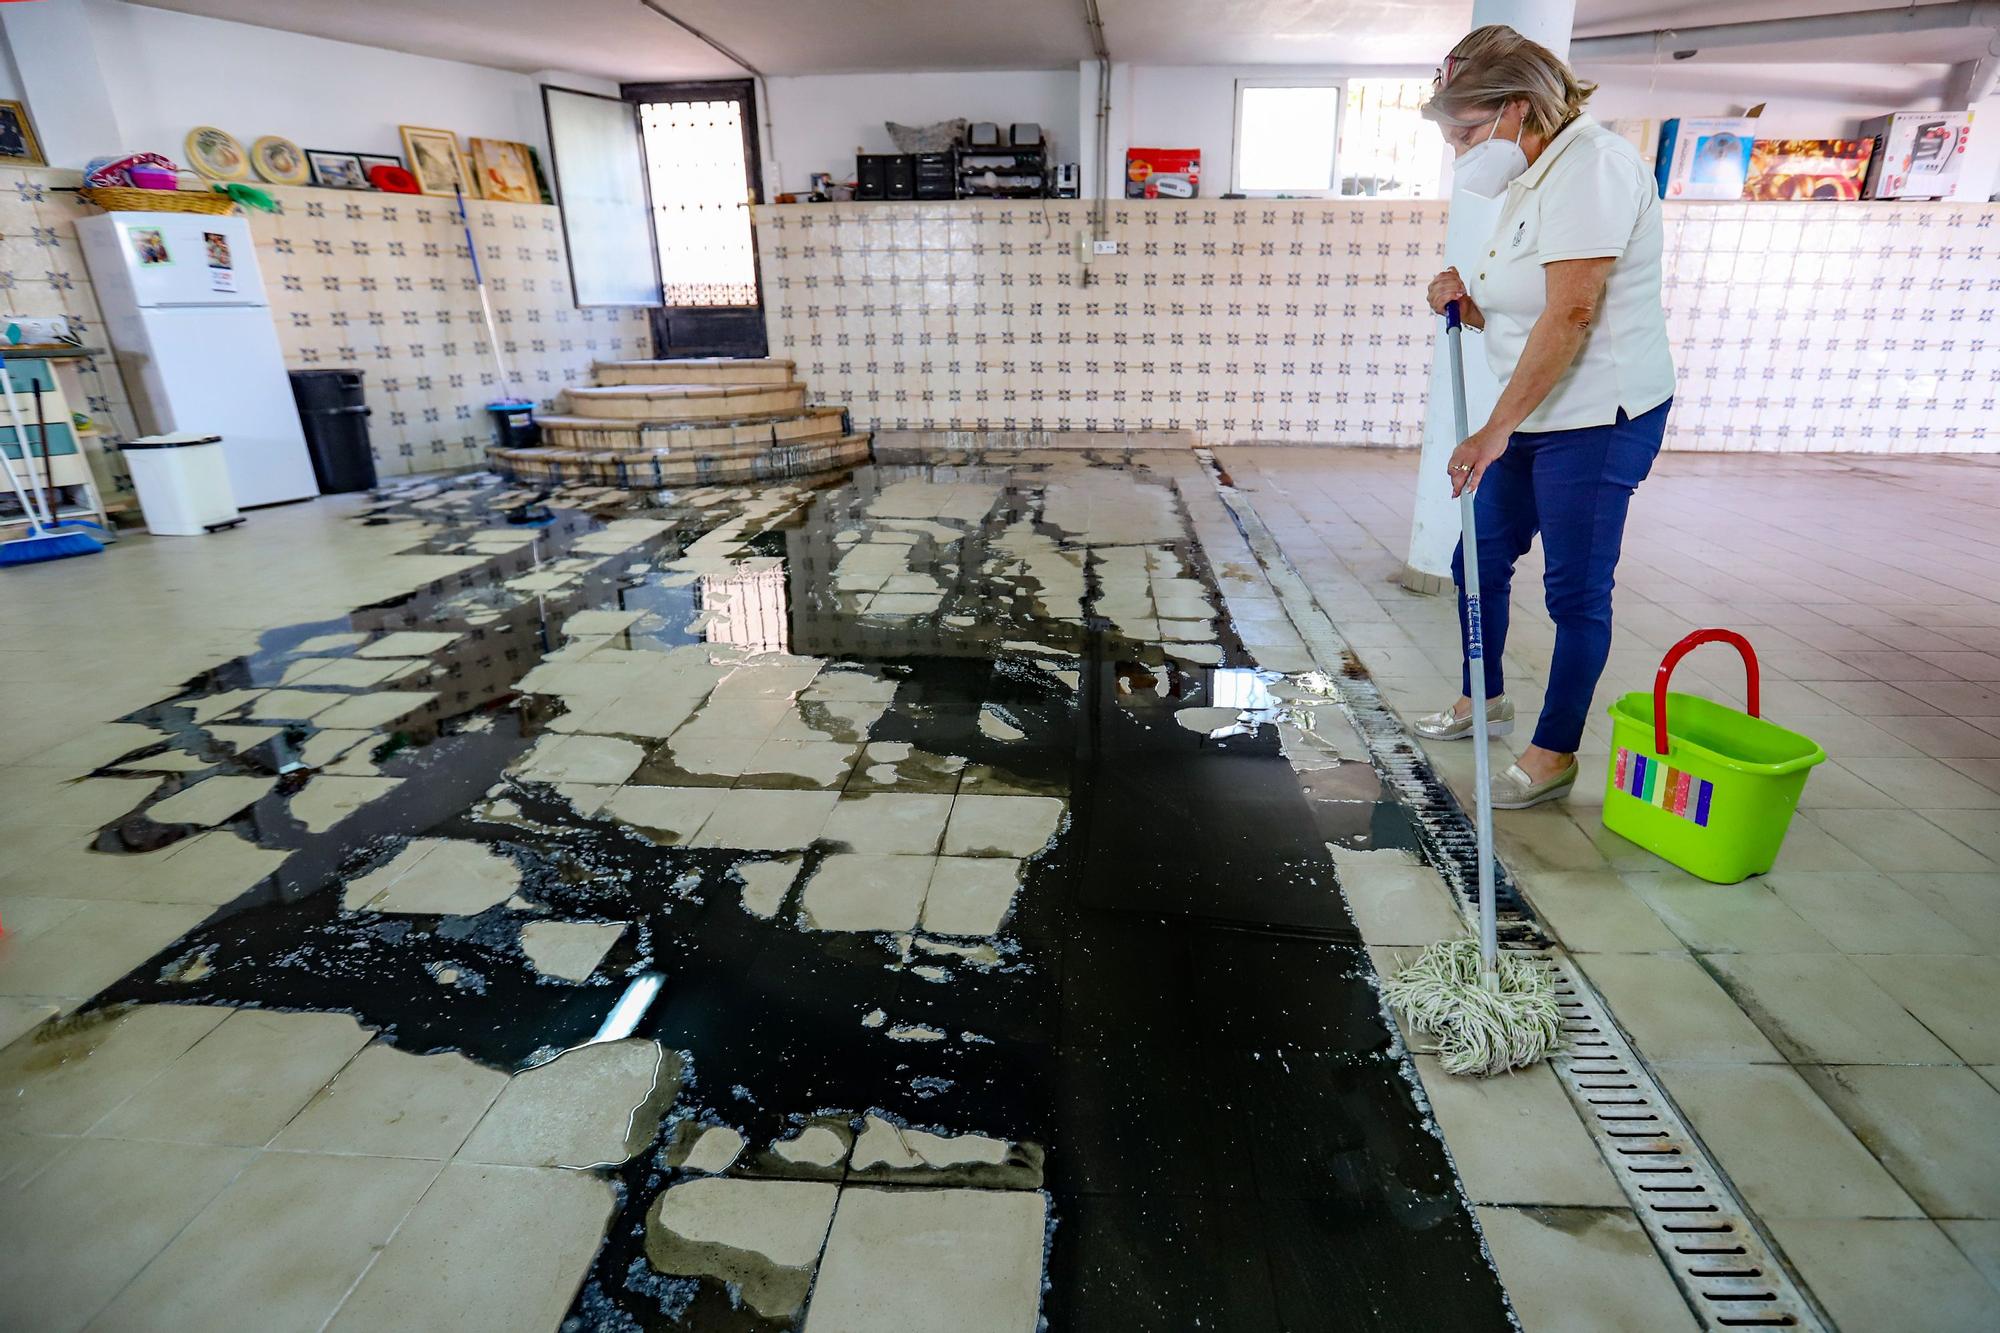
650,424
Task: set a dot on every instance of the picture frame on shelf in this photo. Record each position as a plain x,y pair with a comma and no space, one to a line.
18,145
436,162
505,171
337,171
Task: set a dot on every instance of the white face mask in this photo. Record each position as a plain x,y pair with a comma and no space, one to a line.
1487,166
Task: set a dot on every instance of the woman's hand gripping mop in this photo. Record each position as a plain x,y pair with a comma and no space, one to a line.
1489,1012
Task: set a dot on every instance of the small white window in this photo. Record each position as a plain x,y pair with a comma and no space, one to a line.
1286,134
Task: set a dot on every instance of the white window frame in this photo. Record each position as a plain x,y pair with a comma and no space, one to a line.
1236,138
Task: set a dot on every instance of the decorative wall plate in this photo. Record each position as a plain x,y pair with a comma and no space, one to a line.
216,154
279,160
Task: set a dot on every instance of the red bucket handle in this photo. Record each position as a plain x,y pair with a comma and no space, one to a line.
1673,659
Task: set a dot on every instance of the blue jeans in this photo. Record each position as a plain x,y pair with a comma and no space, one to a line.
1573,487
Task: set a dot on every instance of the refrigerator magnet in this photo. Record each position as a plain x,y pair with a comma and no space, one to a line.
150,245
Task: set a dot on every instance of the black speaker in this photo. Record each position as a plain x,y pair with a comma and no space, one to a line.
871,175
902,183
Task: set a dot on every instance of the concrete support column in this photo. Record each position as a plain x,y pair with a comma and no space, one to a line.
63,82
1434,528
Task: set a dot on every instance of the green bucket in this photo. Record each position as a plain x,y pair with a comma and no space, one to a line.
1700,784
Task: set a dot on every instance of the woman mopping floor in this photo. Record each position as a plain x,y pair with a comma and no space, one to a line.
1567,292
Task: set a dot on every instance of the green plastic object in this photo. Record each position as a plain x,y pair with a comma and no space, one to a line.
249,196
1699,783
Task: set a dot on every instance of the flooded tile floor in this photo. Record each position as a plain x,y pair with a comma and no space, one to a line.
909,904
885,906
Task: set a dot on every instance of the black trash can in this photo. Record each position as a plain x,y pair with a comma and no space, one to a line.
514,425
335,417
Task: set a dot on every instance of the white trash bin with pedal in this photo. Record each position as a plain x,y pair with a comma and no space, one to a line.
183,484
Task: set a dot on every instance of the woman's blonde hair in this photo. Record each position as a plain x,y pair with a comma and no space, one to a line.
1496,65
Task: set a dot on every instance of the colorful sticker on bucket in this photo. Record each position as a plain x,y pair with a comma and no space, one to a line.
1673,790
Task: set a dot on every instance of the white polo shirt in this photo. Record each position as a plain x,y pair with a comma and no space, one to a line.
1588,196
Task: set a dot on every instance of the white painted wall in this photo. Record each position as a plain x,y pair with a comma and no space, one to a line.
818,121
170,72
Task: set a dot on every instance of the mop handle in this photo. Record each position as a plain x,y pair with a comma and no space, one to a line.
1475,665
29,499
485,304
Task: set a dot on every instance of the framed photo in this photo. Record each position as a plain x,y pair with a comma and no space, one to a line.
370,160
336,171
216,154
278,160
17,137
506,172
436,162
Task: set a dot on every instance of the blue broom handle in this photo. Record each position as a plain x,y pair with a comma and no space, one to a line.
1475,654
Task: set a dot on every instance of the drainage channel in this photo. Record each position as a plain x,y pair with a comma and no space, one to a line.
1726,1268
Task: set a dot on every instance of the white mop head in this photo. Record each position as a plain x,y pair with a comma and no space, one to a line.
1478,1031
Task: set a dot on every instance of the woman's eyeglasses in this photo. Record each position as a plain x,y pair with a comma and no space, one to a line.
1446,71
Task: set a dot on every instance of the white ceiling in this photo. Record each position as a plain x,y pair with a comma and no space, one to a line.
621,40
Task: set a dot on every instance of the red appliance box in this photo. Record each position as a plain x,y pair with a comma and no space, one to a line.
1162,173
1808,168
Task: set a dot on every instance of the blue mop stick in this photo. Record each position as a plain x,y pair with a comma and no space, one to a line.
485,304
1475,653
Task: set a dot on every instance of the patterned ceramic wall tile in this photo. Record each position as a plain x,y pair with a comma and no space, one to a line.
1823,327
379,283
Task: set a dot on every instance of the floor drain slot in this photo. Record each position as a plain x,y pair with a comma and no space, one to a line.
1695,1221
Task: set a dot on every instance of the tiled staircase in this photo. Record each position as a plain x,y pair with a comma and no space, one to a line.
683,423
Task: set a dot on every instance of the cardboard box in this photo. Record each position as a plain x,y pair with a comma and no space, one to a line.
1705,158
1643,133
1918,154
1832,169
1154,173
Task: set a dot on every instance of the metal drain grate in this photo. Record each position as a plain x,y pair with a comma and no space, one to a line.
1727,1271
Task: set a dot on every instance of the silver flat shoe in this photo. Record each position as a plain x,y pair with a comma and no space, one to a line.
1448,726
1515,790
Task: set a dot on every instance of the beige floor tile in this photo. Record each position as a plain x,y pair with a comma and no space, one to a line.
1545,838
767,821
853,891
280,1248
409,643
742,719
240,1084
1888,1276
1582,1270
570,950
808,764
599,760
594,1105
1900,841
1867,913
1932,1126
376,709
1597,912
1673,1010
762,1236
1823,1008
67,1076
349,673
1396,903
1726,918
488,1247
1017,826
21,1016
92,1217
1978,1241
971,895
666,815
1925,784
436,875
1975,828
389,1103
1956,996
331,797
889,823
211,800
83,954
911,1261
1785,1151
1516,1139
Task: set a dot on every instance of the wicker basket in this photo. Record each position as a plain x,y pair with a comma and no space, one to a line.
126,199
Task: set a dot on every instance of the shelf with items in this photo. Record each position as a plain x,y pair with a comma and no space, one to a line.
54,456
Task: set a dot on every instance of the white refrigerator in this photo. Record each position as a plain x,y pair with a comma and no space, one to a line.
185,311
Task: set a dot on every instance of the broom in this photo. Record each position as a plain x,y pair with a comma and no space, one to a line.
44,540
1487,1011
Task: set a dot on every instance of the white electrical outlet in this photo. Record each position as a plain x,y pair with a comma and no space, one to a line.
1104,247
